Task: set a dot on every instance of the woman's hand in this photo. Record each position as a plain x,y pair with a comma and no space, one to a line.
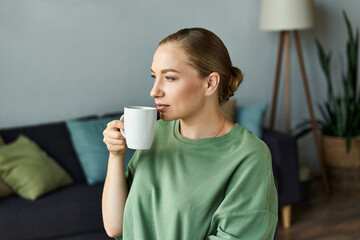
114,140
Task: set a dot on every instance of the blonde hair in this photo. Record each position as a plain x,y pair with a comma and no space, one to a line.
207,54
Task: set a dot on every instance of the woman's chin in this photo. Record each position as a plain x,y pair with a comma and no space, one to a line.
166,117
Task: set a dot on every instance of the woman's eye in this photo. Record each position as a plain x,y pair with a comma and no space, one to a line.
153,76
170,78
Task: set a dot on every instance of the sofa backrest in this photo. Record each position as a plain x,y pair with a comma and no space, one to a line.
54,139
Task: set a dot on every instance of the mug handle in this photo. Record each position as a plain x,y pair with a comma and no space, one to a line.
122,119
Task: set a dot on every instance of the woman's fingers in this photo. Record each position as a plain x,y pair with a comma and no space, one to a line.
114,134
112,129
116,124
114,140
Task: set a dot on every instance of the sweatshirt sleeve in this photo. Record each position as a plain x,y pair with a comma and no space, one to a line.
249,208
130,172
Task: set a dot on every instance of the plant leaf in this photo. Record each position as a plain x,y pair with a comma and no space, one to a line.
325,60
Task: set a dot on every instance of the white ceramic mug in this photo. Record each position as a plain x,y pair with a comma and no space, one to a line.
139,126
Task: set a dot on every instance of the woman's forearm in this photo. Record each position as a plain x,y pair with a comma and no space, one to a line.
114,196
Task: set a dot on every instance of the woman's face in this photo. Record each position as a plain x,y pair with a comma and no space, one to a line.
178,90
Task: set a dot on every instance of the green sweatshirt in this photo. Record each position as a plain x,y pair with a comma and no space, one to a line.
214,188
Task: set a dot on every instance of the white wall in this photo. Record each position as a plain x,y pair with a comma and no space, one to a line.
62,59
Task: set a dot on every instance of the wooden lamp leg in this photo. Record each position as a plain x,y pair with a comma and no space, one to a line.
286,216
313,122
284,39
287,82
276,82
286,210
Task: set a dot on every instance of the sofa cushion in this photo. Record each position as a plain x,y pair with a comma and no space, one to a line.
69,211
92,153
87,138
54,138
29,171
252,117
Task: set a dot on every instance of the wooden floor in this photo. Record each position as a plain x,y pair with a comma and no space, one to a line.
323,217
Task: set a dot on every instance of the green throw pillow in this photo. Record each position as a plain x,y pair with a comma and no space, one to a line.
29,171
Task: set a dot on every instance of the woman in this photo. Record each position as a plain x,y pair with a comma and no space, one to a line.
204,177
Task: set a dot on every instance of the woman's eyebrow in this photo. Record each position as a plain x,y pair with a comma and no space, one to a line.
167,70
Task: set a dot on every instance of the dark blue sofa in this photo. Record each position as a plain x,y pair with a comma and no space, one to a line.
74,212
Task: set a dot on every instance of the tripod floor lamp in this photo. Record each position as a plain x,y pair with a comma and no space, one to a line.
289,16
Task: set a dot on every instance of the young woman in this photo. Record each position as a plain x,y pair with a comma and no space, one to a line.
204,177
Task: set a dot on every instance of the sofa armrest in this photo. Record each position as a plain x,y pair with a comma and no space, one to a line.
284,153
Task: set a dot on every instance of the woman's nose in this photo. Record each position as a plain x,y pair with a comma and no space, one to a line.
156,91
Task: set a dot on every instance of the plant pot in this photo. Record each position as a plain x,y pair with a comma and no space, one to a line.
343,168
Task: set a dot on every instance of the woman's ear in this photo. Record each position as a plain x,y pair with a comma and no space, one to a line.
212,83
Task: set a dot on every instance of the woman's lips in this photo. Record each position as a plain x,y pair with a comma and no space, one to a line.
161,107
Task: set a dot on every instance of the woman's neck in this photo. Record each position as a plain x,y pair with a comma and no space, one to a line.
206,124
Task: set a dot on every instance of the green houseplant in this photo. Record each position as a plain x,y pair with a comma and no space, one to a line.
341,114
340,124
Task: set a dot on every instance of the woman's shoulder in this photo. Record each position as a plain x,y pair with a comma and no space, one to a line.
249,148
247,139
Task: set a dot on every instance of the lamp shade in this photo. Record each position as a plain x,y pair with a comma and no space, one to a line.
277,15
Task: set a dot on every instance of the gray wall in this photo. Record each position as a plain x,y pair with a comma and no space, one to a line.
62,59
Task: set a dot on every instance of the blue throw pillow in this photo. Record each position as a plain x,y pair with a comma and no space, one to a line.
252,117
87,139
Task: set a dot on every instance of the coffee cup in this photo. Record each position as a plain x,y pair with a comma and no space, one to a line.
139,126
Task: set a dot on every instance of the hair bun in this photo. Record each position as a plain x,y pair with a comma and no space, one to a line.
234,82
